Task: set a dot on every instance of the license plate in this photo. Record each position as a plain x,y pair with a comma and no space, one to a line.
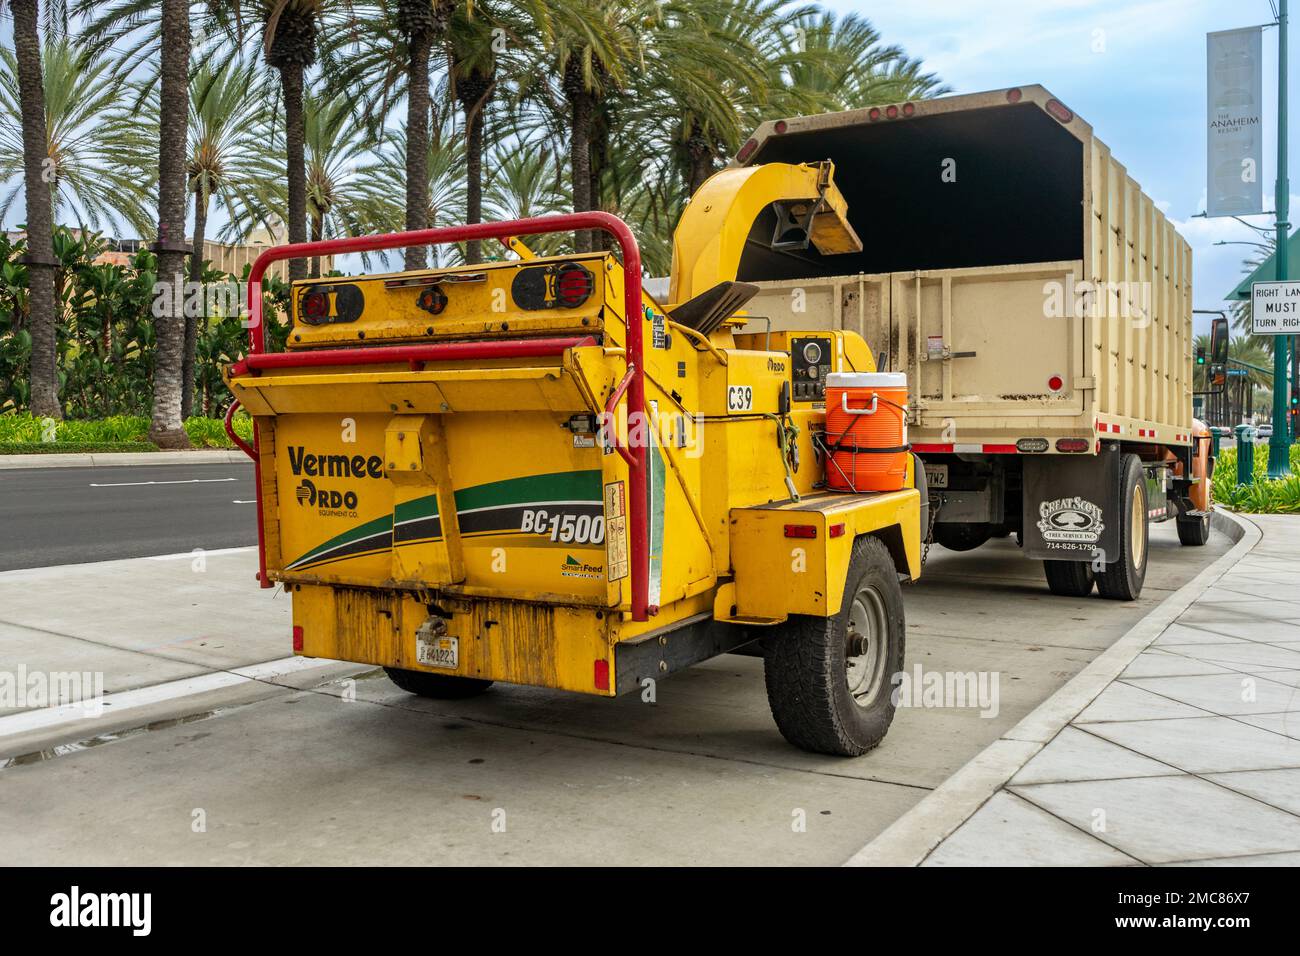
438,651
936,476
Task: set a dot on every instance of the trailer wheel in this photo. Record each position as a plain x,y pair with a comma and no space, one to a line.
829,679
438,686
1069,578
1194,532
962,537
1122,580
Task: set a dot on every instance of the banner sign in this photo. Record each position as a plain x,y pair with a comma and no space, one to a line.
1235,127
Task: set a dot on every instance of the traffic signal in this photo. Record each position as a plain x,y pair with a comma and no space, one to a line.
1200,356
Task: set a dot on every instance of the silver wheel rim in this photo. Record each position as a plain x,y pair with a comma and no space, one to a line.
866,645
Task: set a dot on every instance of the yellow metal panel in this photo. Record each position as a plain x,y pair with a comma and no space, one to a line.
776,576
513,641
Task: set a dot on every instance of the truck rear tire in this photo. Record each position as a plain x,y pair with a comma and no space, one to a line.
1069,578
1194,532
437,686
962,537
1122,579
830,679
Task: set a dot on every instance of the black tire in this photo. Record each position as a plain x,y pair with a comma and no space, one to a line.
1122,579
962,537
922,485
438,686
808,670
1069,578
1194,532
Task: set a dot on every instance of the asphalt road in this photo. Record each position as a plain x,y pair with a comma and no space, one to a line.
51,516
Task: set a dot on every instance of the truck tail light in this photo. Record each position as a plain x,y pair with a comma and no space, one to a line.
1071,444
315,306
1056,383
297,639
1059,110
1032,446
801,531
573,285
433,300
747,150
600,674
836,530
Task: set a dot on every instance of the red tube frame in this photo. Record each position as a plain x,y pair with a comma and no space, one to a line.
639,532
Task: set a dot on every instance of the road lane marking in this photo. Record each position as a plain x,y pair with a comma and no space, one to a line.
185,555
68,715
185,481
251,501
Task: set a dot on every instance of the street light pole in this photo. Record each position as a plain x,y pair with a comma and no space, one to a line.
1279,444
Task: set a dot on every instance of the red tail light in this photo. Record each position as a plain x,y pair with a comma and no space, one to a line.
1059,110
573,285
297,638
836,530
315,306
874,113
891,112
1014,95
1072,444
433,300
746,151
600,674
801,531
909,109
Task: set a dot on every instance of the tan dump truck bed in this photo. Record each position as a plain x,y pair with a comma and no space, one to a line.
1010,266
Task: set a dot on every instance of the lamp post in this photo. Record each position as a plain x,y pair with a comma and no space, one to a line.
1279,444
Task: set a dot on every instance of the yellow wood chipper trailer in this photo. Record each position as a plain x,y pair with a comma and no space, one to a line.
530,471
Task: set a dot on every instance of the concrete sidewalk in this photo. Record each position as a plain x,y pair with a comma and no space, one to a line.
1191,755
199,456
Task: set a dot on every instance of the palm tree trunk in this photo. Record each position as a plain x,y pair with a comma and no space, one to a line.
417,143
42,304
580,161
192,321
475,90
291,75
166,428
317,234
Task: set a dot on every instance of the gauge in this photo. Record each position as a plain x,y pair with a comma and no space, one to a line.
812,353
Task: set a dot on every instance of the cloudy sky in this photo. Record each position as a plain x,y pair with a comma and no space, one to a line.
1144,93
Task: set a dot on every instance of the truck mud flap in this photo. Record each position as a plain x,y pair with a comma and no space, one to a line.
1072,506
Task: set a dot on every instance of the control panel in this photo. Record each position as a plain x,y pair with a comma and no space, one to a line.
811,359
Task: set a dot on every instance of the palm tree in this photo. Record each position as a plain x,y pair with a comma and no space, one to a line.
382,178
423,24
40,223
230,122
166,428
336,140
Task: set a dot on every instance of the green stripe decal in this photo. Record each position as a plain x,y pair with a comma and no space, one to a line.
541,489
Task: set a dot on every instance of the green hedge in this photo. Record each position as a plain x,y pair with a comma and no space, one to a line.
1265,495
21,434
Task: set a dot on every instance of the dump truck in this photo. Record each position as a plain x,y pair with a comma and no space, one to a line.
531,471
1040,304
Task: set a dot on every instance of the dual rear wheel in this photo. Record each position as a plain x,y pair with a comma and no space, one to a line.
1122,578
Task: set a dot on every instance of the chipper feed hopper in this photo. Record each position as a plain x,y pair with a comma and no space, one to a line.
529,471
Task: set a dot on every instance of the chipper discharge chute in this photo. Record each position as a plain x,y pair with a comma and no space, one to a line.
528,471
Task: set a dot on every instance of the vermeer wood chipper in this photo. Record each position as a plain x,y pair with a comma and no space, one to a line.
530,471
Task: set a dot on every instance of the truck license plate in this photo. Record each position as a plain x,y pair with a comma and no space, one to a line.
936,476
441,651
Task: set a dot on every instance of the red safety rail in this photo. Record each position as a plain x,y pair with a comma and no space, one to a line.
639,532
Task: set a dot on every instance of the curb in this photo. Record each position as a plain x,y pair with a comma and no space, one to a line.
217,456
912,837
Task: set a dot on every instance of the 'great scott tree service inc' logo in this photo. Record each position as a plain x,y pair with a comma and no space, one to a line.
1074,520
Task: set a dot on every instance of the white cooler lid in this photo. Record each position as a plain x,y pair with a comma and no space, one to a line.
866,380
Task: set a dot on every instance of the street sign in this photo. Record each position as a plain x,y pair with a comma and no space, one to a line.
1275,308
